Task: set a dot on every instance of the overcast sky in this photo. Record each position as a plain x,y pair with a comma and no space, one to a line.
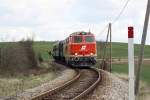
55,19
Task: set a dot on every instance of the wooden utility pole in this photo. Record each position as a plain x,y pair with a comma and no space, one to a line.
103,63
141,55
106,63
0,57
110,47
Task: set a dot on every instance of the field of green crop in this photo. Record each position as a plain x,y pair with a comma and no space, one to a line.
43,48
118,49
123,68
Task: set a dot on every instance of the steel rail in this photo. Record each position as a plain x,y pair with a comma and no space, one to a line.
81,95
52,91
88,90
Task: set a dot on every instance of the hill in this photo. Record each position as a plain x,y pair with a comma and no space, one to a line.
118,49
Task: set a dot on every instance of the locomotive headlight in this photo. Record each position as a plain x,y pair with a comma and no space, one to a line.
91,53
76,54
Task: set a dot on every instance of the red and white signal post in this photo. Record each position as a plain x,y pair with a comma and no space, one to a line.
131,63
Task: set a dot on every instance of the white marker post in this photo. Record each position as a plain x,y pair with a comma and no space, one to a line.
131,63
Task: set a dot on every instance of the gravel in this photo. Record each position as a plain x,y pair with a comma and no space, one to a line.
110,88
65,76
86,79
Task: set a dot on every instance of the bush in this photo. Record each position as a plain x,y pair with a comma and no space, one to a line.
17,57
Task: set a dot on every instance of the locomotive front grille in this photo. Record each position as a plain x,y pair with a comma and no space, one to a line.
82,61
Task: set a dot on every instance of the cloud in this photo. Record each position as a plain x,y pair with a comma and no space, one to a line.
56,19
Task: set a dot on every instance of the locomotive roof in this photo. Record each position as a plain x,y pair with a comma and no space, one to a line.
81,33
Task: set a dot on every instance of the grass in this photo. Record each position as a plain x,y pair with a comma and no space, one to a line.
13,85
120,68
121,50
123,68
43,48
118,49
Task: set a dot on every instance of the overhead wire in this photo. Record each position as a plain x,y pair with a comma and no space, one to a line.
121,12
118,16
116,19
107,27
103,30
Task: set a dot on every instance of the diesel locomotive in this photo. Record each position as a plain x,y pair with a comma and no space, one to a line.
77,50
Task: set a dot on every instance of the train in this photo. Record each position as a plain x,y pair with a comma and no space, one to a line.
77,50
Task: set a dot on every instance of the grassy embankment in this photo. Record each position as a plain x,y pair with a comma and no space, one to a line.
14,81
13,85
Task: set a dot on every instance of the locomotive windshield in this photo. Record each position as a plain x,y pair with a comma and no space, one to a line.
77,39
89,39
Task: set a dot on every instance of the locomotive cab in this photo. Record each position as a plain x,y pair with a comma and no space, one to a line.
82,49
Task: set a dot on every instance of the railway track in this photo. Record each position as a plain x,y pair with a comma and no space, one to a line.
85,81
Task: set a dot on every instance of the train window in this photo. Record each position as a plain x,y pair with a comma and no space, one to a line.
89,39
77,39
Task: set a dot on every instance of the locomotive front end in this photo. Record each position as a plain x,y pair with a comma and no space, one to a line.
82,49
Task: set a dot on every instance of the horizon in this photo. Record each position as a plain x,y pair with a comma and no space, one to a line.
61,40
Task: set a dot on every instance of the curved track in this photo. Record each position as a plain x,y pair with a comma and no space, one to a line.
85,81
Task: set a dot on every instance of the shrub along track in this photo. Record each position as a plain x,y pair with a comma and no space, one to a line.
85,81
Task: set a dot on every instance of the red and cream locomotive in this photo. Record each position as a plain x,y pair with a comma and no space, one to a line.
78,50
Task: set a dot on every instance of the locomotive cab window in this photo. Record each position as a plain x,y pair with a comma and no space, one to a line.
77,39
89,39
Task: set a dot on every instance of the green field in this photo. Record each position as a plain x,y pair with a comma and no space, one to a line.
123,68
118,49
121,50
43,48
